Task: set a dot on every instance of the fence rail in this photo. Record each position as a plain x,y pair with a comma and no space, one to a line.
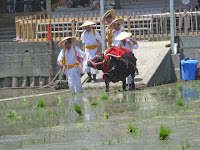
143,27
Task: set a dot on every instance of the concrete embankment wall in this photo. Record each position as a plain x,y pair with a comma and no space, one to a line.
27,63
191,47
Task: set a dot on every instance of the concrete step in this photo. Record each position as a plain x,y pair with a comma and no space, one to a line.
7,36
6,40
8,33
11,29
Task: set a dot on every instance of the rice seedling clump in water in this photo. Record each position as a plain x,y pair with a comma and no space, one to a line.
11,114
94,102
78,109
104,97
132,129
41,103
164,133
179,102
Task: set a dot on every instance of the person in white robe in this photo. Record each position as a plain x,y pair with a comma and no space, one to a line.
91,46
68,59
124,41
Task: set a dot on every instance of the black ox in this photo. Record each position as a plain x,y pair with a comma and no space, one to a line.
116,66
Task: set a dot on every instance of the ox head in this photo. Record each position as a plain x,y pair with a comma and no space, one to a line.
96,62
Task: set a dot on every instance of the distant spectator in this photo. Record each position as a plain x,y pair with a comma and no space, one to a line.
95,5
188,5
84,3
11,5
43,5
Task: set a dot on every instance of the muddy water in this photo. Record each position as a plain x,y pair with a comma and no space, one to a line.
104,125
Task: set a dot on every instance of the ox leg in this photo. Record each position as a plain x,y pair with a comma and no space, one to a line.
124,85
107,85
133,83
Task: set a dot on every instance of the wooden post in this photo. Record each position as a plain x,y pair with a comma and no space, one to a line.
41,28
67,25
54,28
186,22
78,27
36,28
27,29
143,26
129,22
58,27
196,23
32,33
23,28
148,28
139,25
73,25
134,25
63,26
45,28
17,25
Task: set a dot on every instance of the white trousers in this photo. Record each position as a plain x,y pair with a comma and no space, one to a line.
89,55
74,80
129,79
188,21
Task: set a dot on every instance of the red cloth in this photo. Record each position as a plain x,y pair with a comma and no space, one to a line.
106,67
115,51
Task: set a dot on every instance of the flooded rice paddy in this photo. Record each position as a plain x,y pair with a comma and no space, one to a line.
96,120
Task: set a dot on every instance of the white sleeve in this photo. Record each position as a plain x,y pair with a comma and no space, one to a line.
80,52
97,36
118,44
82,35
61,55
135,46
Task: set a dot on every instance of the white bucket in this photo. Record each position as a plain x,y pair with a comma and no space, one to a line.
175,48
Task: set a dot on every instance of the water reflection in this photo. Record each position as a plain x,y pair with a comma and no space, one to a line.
189,93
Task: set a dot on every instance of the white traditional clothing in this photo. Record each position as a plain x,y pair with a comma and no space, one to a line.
115,34
91,45
72,69
129,45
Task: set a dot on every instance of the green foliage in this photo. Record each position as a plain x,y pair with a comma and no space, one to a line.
180,87
179,102
164,132
85,149
104,97
170,91
58,101
106,115
78,109
185,144
132,129
41,103
11,114
25,102
115,91
94,102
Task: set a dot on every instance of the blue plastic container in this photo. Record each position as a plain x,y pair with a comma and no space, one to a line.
188,69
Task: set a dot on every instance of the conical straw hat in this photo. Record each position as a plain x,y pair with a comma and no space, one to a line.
123,35
87,23
62,42
112,12
116,20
